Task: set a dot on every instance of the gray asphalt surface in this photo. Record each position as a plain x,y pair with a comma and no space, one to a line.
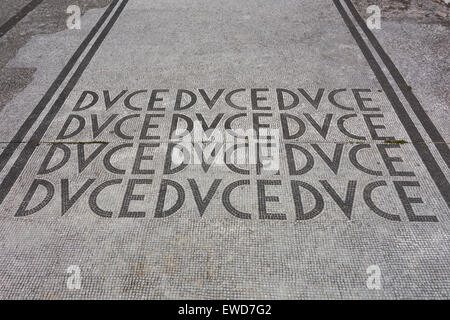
106,197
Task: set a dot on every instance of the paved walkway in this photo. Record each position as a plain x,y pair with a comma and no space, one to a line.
113,165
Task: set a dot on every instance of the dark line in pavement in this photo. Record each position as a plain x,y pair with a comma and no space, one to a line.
422,148
6,155
424,119
30,147
8,25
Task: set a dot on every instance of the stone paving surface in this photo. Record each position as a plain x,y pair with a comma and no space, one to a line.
94,182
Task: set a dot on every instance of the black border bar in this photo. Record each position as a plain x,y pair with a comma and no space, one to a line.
32,144
171,309
417,108
8,25
7,153
424,152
